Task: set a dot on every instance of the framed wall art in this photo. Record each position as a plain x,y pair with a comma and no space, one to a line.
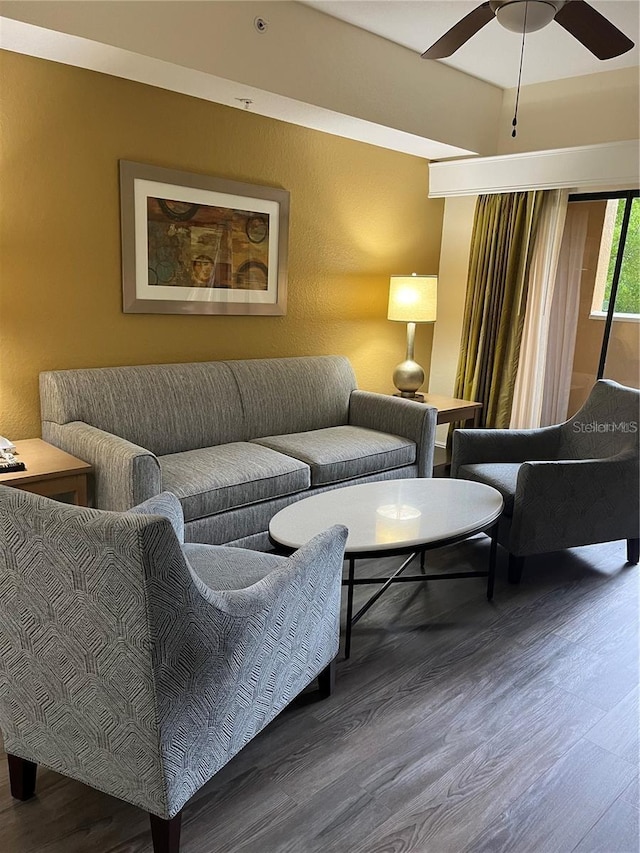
194,244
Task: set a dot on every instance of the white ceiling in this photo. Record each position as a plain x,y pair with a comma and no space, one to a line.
493,54
420,121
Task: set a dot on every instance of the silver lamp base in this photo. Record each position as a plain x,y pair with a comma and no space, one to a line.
408,377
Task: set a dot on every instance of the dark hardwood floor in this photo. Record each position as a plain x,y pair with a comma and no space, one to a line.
457,725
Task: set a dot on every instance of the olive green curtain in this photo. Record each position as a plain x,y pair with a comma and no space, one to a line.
501,248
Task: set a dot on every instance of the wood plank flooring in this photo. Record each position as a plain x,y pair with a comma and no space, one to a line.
457,726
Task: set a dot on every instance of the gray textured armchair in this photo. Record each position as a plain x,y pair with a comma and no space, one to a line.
571,484
140,665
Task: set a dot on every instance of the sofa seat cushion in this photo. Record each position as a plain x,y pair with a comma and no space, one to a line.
216,479
230,568
341,453
503,476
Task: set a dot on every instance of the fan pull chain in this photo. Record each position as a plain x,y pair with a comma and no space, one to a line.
514,123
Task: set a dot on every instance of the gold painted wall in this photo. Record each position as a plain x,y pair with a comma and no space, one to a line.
358,214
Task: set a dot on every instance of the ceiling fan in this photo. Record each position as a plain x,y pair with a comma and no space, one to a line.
577,17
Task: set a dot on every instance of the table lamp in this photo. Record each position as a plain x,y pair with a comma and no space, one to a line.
412,299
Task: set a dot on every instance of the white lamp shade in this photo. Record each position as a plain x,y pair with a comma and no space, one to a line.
413,298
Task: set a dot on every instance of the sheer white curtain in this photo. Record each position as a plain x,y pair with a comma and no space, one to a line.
526,411
564,318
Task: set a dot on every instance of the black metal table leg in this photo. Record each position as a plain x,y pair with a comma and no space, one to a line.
387,583
347,637
492,561
398,576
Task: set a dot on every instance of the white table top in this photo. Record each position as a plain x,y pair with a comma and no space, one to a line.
391,514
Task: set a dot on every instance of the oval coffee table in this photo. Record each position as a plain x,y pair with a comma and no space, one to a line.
392,517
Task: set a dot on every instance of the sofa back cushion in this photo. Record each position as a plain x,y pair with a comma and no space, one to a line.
165,408
170,408
286,395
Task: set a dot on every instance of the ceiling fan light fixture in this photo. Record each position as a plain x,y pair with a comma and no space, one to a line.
578,17
511,14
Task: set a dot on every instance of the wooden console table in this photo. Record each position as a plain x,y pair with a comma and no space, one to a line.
50,472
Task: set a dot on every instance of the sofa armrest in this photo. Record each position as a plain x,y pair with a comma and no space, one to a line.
475,446
395,415
124,474
569,503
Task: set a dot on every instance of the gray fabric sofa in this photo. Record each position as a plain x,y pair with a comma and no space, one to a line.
235,441
141,665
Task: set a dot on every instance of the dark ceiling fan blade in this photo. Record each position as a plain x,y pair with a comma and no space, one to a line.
593,30
460,32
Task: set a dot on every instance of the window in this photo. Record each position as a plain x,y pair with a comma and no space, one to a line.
610,289
619,250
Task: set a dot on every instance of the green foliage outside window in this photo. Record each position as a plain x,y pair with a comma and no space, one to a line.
628,294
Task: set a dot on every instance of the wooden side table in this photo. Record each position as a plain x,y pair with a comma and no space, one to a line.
451,409
50,472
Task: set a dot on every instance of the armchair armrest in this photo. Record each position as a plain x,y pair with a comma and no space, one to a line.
395,415
302,580
232,660
569,503
124,473
475,446
166,505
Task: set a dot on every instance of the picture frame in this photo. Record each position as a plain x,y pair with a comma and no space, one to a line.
198,244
